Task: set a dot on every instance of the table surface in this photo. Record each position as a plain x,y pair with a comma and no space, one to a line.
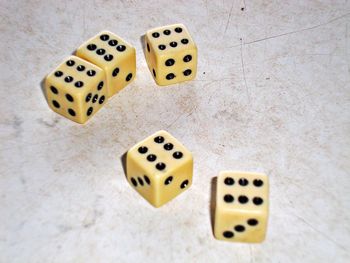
272,95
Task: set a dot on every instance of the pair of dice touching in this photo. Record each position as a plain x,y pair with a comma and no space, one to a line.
106,63
159,168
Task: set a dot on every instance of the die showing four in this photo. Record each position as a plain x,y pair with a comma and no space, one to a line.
241,212
114,55
171,54
70,85
159,168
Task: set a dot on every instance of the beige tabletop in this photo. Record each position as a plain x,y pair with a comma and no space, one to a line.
272,95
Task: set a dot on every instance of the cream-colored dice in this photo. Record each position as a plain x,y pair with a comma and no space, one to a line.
114,55
159,168
76,89
242,204
171,54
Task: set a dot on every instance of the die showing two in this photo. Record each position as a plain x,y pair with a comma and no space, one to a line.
71,89
159,168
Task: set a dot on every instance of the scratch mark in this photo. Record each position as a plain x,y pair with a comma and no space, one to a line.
228,19
321,233
244,77
295,31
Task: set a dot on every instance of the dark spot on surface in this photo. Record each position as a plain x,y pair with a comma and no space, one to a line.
184,41
133,181
69,97
94,99
101,100
79,84
58,73
173,44
169,62
147,180
100,51
177,155
239,228
159,139
115,72
104,37
88,97
151,157
56,104
142,149
81,68
100,85
108,57
71,112
228,234
243,181
229,181
91,47
148,49
228,198
113,42
187,58
155,34
170,76
128,77
257,201
178,30
54,90
168,180
140,181
68,79
252,222
121,48
161,47
242,8
187,72
243,199
89,111
70,63
154,72
184,184
258,182
167,32
168,146
91,73
160,166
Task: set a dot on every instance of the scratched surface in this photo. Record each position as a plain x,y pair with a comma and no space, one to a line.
272,94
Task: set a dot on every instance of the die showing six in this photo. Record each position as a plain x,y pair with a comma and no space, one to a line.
114,55
159,168
241,212
171,54
70,87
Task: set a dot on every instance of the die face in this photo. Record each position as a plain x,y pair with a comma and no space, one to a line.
114,55
166,162
68,85
171,54
241,206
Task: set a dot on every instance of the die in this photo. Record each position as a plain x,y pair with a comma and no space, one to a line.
76,89
114,55
241,212
171,54
159,168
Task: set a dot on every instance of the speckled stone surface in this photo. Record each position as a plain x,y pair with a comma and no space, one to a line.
272,95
